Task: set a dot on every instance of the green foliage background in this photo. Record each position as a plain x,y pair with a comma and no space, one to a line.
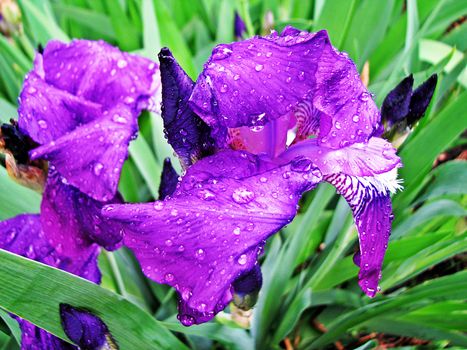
310,296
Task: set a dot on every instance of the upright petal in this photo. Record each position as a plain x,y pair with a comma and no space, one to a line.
212,229
188,134
91,156
100,73
253,82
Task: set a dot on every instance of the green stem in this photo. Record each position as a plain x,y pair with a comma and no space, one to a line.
117,276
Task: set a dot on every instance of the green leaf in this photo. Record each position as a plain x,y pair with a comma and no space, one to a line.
98,22
7,111
12,325
146,163
16,199
43,288
419,153
41,21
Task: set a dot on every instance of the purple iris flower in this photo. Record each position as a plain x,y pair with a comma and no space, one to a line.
80,104
285,112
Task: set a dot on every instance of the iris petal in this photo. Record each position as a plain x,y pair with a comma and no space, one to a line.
256,81
72,220
80,86
371,207
212,229
91,156
186,132
376,156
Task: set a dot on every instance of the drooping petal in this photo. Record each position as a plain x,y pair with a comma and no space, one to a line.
376,156
73,221
212,229
421,99
169,180
85,329
253,82
188,134
370,202
91,156
100,73
395,106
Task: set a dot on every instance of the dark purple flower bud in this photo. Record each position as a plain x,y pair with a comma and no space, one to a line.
169,180
239,26
420,100
85,329
395,106
185,131
403,104
247,287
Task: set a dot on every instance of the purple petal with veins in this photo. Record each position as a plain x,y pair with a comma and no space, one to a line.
73,221
256,81
92,155
370,202
212,229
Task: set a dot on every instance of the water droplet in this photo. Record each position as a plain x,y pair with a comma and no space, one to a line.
169,277
288,80
337,125
268,54
301,76
158,206
98,168
206,195
122,63
301,165
32,90
168,242
174,212
117,118
200,254
236,231
242,259
259,67
187,320
224,88
113,72
42,124
263,179
243,195
355,118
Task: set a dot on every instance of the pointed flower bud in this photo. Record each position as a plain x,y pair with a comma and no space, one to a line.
169,180
246,288
239,26
85,329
